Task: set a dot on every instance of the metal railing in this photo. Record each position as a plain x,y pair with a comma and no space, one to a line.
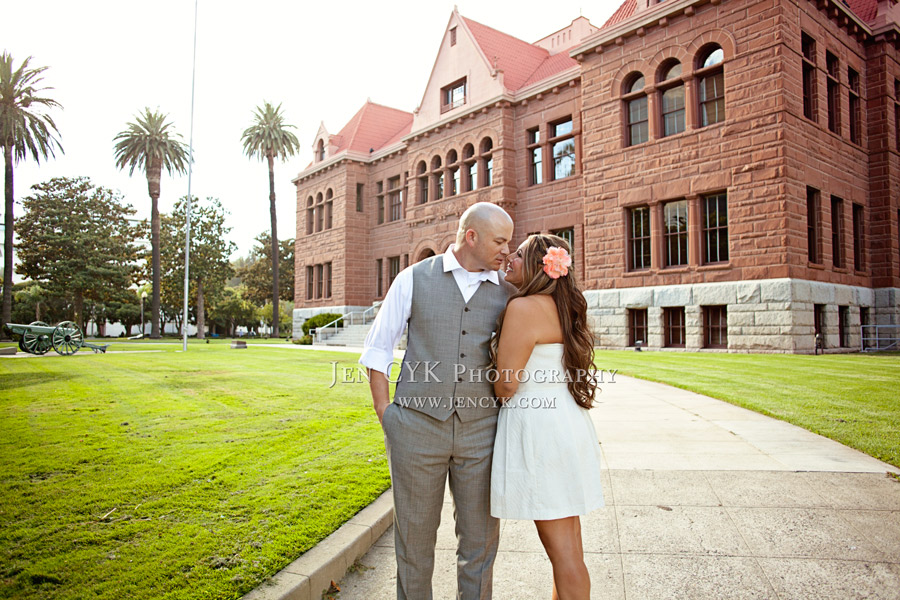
351,318
880,337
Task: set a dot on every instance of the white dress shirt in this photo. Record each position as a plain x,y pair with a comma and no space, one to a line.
394,313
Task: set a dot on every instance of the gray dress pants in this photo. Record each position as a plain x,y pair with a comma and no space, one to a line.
422,451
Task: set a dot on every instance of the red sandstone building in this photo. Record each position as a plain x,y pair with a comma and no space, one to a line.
727,171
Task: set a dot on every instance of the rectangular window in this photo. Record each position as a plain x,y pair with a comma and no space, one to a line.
674,324
320,216
638,129
712,99
395,198
843,326
535,157
423,189
834,92
639,230
812,226
837,231
637,326
379,186
855,110
328,280
310,217
310,282
473,176
858,239
454,181
379,278
715,229
329,206
819,323
453,36
453,95
320,280
489,172
567,234
675,225
393,269
808,45
673,110
715,327
359,197
563,149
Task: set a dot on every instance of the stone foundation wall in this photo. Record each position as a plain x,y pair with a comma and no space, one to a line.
770,315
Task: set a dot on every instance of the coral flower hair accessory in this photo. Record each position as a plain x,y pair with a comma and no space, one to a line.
557,262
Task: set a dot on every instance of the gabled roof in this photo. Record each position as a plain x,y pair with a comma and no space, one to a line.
626,10
373,127
522,63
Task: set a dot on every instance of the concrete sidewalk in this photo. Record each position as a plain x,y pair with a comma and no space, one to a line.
705,500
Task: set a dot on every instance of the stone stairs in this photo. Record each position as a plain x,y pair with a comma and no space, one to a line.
351,335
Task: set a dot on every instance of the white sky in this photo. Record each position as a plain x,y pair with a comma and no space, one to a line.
109,59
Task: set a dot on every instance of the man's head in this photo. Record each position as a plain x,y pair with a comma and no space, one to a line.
482,240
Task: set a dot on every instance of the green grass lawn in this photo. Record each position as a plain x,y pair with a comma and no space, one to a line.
176,475
851,398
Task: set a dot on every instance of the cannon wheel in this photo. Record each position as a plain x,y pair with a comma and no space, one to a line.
35,343
67,338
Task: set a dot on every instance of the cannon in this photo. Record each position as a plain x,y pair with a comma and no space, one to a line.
66,338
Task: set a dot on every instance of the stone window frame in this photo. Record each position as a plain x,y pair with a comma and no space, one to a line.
715,326
470,168
423,178
328,279
809,76
320,213
360,192
630,95
674,327
630,254
568,234
310,281
448,102
859,237
833,91
682,235
379,201
855,106
310,216
395,199
636,327
709,230
486,162
393,269
453,175
555,140
379,277
704,72
329,210
535,156
667,82
838,259
814,226
320,281
437,178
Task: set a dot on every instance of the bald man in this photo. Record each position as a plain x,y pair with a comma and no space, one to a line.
444,415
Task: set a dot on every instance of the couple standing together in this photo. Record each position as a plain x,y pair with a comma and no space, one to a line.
536,458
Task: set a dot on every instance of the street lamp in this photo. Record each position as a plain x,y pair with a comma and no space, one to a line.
143,295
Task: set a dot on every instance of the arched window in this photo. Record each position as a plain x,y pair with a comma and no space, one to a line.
635,101
422,172
320,212
329,195
470,168
710,84
320,151
453,168
310,215
487,162
671,98
437,177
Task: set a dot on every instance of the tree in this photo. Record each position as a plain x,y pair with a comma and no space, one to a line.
269,138
231,310
150,144
210,268
256,271
25,130
264,314
79,240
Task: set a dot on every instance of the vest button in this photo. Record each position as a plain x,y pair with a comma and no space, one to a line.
464,333
466,309
462,355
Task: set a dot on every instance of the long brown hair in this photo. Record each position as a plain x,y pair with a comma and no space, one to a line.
578,341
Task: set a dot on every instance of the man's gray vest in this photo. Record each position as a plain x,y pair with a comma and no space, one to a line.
445,368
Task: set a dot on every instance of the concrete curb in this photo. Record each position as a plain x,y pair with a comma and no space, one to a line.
311,574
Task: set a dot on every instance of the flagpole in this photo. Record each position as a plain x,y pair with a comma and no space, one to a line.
187,221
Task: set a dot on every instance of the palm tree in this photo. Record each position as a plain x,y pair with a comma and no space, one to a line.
149,144
24,131
269,138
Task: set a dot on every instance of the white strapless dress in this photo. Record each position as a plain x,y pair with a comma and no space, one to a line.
546,461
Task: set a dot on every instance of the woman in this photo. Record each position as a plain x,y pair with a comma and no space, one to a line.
546,465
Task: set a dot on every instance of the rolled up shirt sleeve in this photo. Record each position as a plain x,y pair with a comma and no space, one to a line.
378,350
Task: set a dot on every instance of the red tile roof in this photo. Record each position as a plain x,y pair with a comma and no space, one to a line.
374,126
522,63
864,9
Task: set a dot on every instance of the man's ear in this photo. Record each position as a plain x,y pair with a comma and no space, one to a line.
471,237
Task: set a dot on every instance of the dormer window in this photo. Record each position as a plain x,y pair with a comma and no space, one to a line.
453,95
453,36
320,151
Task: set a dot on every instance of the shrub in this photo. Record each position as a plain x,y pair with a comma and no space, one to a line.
321,320
306,340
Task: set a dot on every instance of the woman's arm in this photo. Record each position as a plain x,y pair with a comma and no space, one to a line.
517,340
